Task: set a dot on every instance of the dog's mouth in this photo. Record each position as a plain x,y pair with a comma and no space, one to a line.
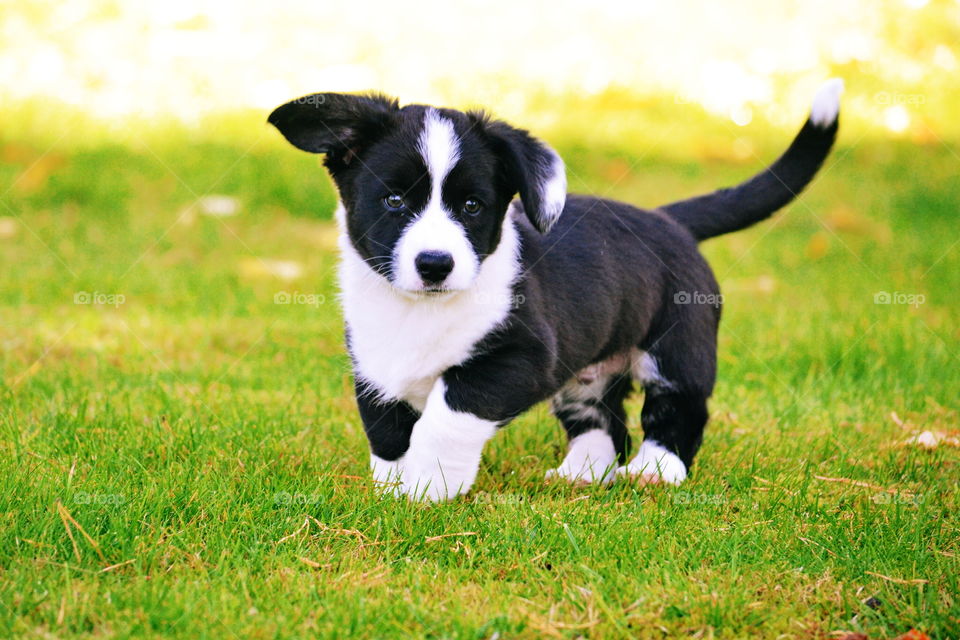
436,290
433,292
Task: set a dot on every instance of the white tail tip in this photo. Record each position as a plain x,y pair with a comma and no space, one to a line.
826,103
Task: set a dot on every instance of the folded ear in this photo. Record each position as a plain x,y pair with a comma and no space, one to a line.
534,169
337,124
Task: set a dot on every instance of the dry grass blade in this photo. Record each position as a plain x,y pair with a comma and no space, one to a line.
117,566
67,521
449,535
862,484
313,563
897,580
775,485
66,525
814,542
343,532
306,523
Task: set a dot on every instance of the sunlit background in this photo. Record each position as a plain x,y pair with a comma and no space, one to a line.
738,59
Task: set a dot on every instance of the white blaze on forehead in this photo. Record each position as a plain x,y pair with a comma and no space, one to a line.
434,229
439,148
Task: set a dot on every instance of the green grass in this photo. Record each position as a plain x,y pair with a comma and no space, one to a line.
206,440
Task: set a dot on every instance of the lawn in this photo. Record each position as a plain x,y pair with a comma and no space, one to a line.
181,456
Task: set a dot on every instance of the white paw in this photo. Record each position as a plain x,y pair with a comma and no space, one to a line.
385,472
418,480
655,464
592,458
428,480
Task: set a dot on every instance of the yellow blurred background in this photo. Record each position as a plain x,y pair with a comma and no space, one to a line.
737,59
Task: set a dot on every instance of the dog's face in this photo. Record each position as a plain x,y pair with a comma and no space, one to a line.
425,190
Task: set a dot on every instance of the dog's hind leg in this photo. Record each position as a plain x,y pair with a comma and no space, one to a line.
590,407
677,374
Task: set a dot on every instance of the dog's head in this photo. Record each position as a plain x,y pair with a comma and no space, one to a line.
425,190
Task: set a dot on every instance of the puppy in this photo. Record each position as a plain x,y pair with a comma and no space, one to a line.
465,307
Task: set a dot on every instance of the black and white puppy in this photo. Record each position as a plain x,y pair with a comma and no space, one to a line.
464,307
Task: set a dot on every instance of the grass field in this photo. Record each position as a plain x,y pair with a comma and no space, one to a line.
180,453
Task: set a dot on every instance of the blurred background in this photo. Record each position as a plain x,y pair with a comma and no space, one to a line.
737,60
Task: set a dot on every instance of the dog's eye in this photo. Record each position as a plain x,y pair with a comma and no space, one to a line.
394,202
472,206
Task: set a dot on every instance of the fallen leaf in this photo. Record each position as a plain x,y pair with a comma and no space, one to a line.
282,269
312,563
8,227
845,219
818,245
325,236
219,206
766,284
933,439
16,154
616,170
34,177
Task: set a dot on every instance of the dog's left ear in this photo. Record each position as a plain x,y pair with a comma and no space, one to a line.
337,124
533,169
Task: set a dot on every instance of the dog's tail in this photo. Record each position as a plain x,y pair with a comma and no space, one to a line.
738,207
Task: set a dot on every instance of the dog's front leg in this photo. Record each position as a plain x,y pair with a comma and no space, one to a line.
463,411
445,449
388,424
436,455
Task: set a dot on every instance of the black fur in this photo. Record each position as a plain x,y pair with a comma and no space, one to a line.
756,199
594,287
388,425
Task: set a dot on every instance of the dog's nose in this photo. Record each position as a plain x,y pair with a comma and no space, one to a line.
433,266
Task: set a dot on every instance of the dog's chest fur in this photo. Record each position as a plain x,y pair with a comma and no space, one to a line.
401,344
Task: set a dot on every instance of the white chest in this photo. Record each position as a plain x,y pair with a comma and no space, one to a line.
401,344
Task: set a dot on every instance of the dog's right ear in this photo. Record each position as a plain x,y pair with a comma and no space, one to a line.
337,124
533,169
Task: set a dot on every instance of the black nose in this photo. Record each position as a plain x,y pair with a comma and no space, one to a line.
433,266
